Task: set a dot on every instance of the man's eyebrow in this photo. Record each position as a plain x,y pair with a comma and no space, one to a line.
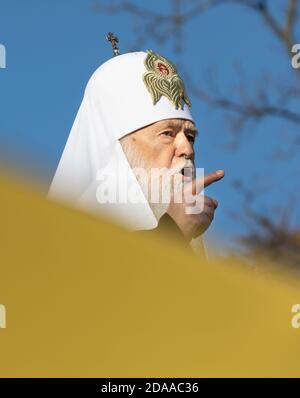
171,123
192,130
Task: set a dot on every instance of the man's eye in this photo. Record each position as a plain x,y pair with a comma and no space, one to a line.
168,133
191,138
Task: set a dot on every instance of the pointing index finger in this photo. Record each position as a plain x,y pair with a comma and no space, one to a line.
207,180
213,177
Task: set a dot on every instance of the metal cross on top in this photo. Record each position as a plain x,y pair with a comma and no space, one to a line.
114,40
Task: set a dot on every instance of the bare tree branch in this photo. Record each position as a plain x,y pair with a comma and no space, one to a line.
247,107
250,110
291,18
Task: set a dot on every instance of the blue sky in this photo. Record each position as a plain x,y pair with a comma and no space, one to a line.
54,46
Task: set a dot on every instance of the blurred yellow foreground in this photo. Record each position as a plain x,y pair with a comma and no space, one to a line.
86,299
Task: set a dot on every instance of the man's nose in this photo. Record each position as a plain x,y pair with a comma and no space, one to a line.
183,146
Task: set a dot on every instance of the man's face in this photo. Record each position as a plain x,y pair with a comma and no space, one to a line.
164,144
168,146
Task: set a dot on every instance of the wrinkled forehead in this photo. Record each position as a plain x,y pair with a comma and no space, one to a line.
176,123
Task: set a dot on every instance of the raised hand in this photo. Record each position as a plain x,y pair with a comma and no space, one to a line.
193,225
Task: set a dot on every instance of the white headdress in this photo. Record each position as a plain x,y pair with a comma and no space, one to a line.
126,93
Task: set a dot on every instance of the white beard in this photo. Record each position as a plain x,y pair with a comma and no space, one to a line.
164,186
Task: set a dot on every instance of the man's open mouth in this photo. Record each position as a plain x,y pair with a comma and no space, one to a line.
187,173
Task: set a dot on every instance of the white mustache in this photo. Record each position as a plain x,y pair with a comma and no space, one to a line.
186,164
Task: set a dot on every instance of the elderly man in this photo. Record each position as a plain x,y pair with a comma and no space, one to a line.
135,115
169,144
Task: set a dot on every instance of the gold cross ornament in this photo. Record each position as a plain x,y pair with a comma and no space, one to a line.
114,41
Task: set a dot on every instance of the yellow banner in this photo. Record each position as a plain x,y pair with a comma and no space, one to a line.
82,298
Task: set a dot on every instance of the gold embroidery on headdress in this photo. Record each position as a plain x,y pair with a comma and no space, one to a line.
161,78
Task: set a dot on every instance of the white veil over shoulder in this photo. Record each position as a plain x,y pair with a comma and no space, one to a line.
115,103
